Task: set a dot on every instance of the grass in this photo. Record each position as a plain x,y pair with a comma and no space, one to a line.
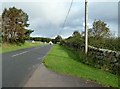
62,60
13,47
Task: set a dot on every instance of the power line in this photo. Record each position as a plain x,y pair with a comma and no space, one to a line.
66,17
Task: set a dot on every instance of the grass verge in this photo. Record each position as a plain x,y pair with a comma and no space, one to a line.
12,47
62,60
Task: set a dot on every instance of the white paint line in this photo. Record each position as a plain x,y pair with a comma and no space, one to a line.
39,58
36,48
19,53
27,51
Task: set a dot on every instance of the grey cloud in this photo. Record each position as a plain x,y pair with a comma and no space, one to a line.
47,21
107,11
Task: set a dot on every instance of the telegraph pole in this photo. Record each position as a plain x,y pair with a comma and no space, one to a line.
86,26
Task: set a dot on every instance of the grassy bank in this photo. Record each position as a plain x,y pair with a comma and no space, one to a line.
62,60
12,47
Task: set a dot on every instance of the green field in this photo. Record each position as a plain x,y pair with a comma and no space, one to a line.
62,60
12,47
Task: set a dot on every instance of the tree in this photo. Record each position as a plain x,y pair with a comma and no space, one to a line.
14,24
99,36
58,39
27,33
99,30
75,39
76,34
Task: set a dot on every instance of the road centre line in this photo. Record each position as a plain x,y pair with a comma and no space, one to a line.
26,51
20,53
39,58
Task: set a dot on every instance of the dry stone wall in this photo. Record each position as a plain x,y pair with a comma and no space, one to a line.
104,59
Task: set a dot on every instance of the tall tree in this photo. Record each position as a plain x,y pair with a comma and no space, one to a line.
99,29
14,24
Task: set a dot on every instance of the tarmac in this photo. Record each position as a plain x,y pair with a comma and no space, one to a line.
42,77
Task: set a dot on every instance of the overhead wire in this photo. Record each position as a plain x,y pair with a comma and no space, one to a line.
66,17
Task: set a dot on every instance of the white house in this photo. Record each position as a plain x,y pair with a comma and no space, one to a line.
50,43
33,41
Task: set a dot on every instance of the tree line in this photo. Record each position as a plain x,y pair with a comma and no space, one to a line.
98,36
56,40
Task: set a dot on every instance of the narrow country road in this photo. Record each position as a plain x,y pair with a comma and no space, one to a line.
18,66
24,68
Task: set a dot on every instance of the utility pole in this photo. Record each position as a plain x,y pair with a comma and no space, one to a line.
86,26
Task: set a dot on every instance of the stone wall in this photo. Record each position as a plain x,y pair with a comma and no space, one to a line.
104,59
107,59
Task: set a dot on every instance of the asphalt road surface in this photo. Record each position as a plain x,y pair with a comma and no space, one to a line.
18,66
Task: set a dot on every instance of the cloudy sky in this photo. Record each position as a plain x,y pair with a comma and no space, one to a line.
46,17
